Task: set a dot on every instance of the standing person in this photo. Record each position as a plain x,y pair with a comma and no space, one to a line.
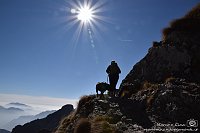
113,71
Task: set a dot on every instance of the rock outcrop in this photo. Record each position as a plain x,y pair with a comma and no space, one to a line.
94,115
45,125
174,102
177,55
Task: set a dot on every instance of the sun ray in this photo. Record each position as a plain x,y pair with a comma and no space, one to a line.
76,36
86,16
97,7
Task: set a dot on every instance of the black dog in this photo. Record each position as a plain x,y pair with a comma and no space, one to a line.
102,87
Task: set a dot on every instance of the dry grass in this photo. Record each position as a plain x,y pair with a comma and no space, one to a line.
70,118
84,100
169,79
83,126
110,120
149,101
186,25
149,86
128,89
146,85
194,12
64,123
190,23
100,124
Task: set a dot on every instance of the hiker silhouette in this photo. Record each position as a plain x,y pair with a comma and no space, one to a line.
113,71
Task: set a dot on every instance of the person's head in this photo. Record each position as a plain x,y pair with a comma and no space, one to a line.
113,62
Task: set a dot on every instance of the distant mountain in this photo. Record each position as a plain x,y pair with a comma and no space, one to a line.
10,109
4,131
46,124
44,114
24,119
8,114
18,105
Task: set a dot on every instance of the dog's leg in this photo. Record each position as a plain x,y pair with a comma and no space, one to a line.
101,95
97,92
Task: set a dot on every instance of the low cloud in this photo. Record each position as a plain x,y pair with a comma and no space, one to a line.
40,103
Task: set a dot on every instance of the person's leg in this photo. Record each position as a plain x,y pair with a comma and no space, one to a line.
116,78
113,82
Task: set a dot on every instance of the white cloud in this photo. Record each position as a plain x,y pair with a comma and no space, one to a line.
40,103
125,40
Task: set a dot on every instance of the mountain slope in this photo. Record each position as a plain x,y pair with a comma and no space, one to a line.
175,102
177,55
48,124
161,92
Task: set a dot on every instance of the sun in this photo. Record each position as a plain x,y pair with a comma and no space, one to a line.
89,18
85,14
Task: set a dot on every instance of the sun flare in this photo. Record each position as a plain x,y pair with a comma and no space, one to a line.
85,14
88,17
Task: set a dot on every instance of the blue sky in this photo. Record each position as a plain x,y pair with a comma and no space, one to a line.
40,57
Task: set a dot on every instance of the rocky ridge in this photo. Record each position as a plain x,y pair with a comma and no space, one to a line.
176,55
44,125
175,101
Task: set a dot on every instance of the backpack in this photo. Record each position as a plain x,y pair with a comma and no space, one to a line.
114,69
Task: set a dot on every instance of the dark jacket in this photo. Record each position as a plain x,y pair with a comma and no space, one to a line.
113,69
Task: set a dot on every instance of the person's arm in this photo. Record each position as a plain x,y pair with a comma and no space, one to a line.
119,69
108,70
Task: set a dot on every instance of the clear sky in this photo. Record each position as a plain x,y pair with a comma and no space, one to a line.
41,53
